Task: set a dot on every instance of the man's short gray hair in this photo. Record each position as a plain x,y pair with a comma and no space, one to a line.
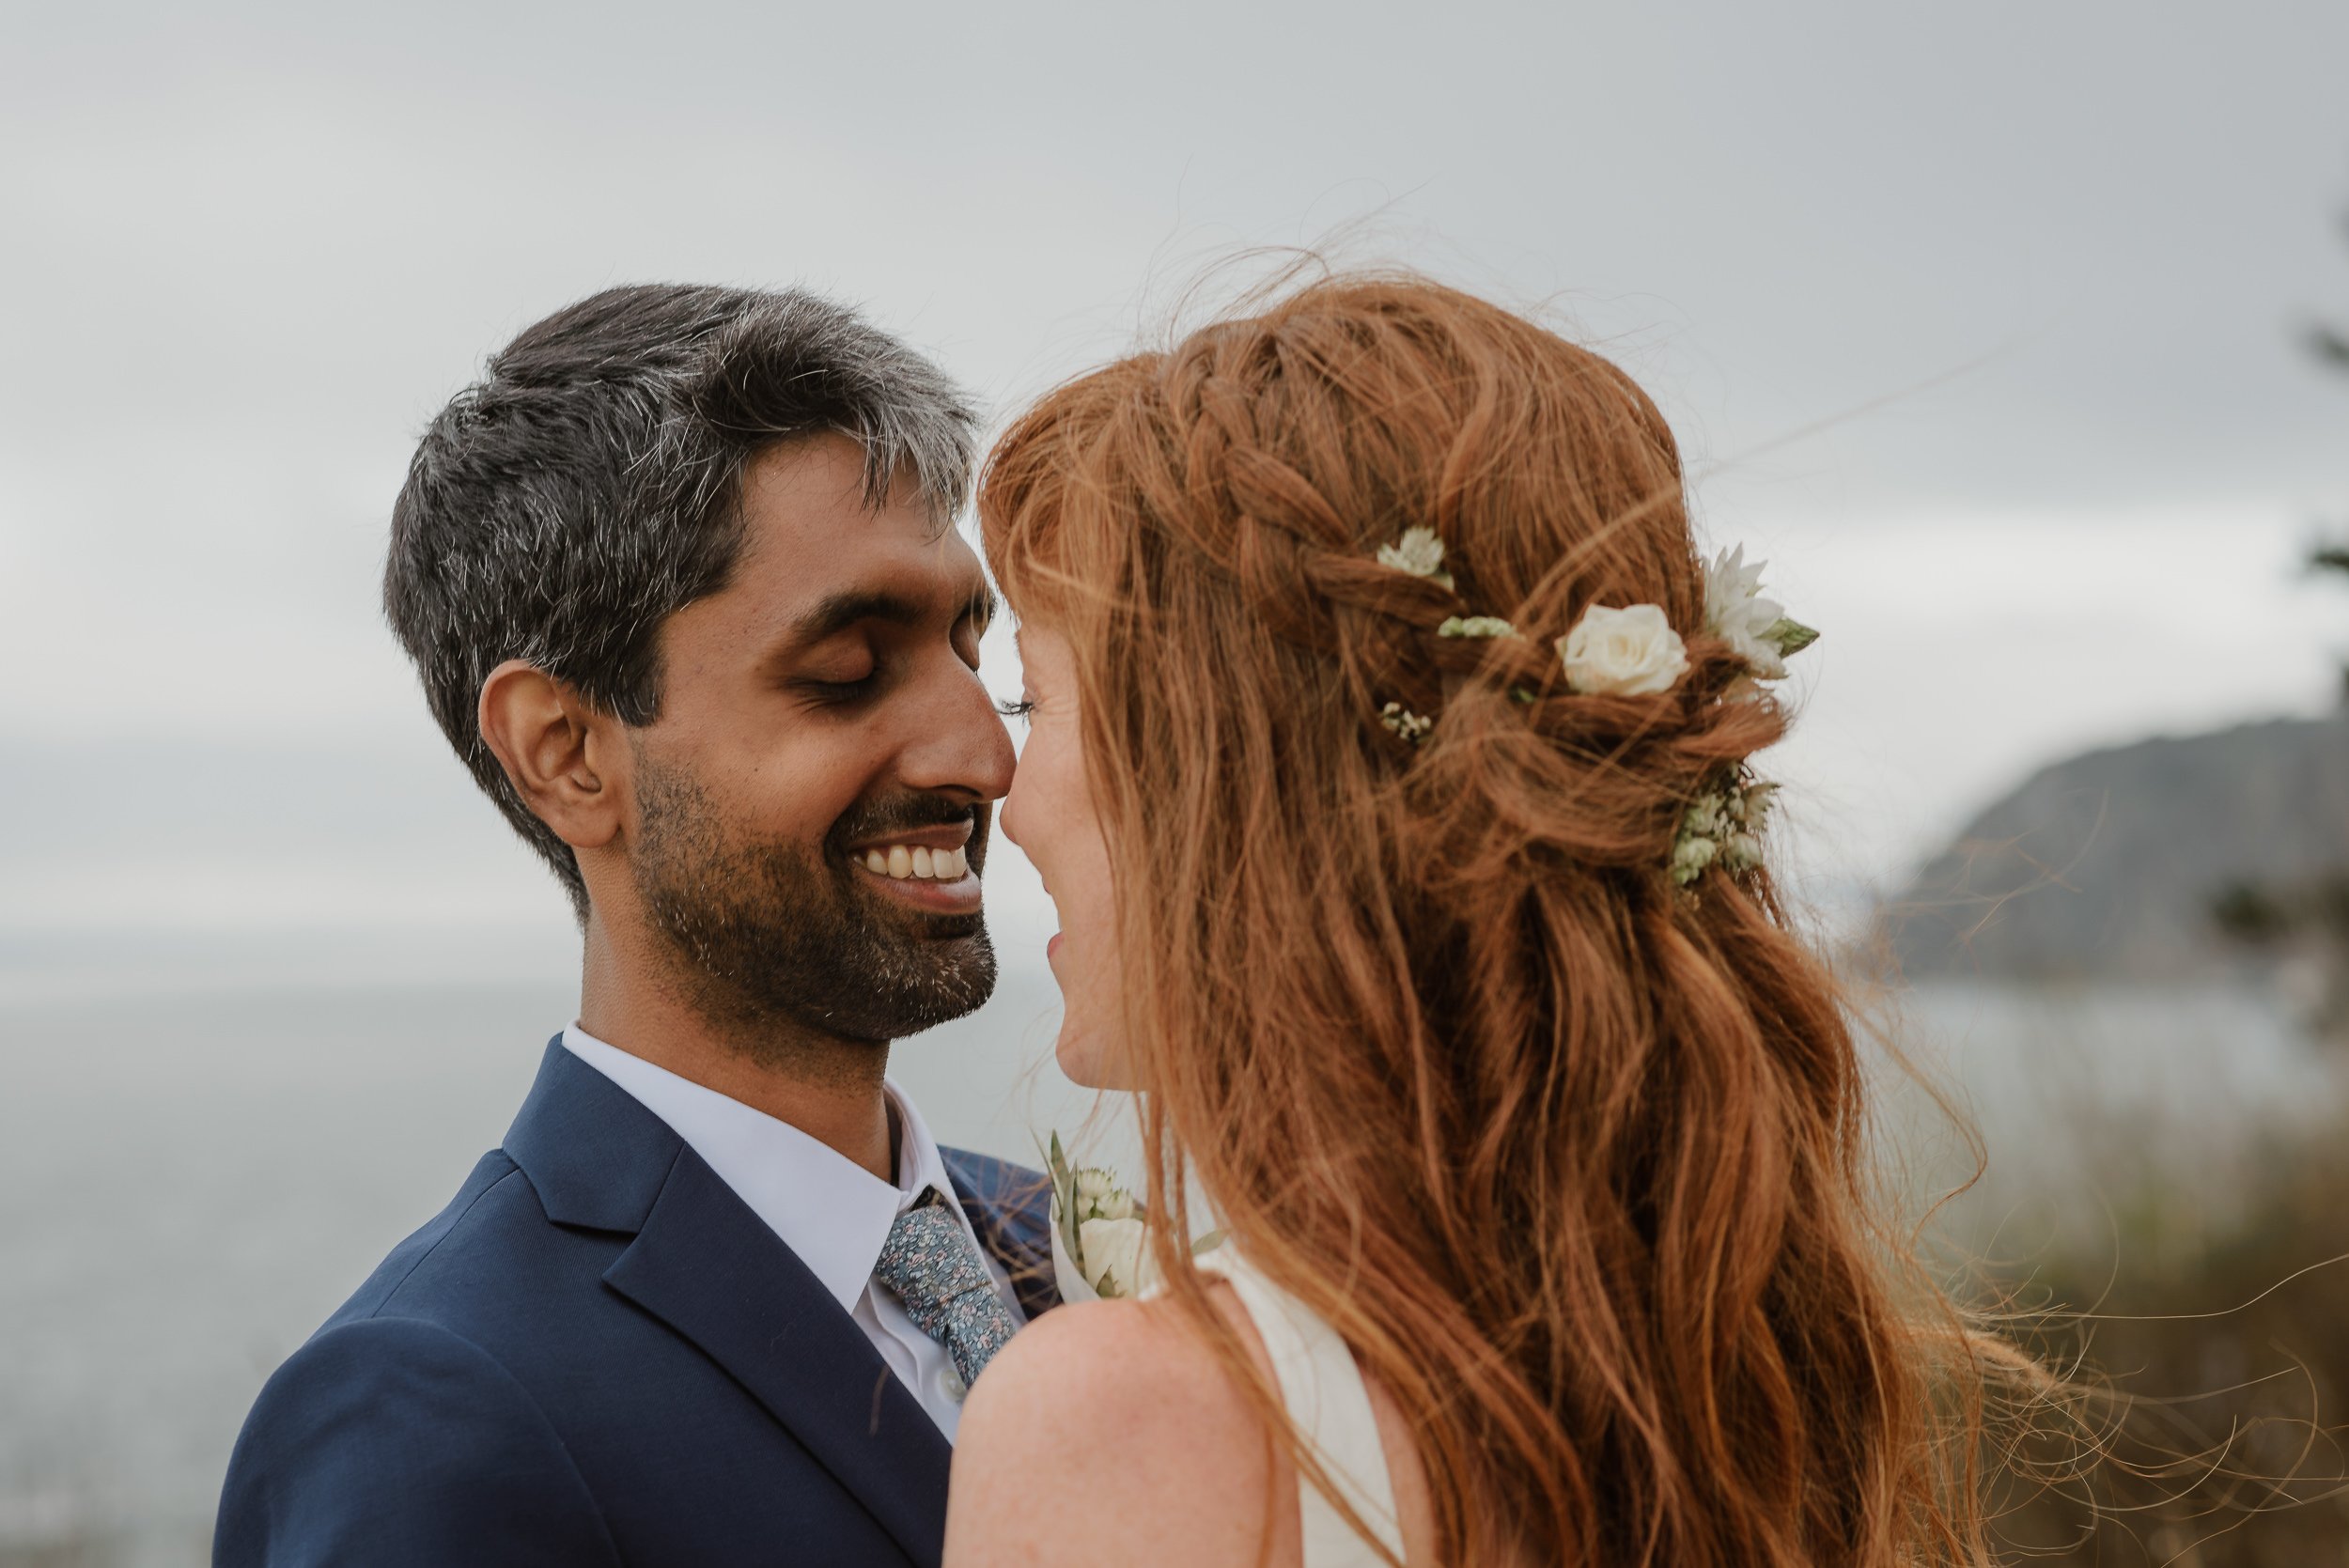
590,486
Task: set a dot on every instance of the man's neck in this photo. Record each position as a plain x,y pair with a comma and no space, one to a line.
828,1088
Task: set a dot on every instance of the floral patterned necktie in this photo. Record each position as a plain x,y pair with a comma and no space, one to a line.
930,1264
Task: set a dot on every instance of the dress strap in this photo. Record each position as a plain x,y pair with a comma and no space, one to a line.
1322,1389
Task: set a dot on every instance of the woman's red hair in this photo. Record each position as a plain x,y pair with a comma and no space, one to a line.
1569,1154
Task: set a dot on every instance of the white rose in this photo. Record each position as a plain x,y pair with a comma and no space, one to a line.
1116,1263
1627,653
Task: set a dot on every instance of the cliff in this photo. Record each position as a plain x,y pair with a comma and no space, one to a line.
2107,864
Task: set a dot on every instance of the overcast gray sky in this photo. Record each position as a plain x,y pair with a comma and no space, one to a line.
2027,274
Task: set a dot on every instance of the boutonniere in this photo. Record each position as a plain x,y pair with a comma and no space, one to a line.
1101,1246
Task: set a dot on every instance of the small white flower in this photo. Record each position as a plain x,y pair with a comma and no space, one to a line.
1703,818
1475,626
1740,616
1719,829
1093,1194
1116,1258
1758,630
1743,852
1412,727
1690,856
1421,553
1626,653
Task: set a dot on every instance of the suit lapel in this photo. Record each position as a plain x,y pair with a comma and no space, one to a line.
709,1268
706,1265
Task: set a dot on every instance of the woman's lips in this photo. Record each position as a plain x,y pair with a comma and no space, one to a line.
1051,947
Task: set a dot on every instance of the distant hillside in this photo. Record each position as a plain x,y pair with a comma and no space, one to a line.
2105,864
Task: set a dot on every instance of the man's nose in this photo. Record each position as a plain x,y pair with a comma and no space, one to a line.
956,739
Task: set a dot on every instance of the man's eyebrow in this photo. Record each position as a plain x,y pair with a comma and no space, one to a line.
836,613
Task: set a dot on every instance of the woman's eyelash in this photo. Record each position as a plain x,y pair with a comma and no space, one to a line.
1020,709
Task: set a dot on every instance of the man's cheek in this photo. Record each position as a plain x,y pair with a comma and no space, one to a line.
810,826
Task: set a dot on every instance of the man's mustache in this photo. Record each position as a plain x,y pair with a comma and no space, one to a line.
899,814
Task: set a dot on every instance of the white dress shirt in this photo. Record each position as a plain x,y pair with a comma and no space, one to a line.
828,1209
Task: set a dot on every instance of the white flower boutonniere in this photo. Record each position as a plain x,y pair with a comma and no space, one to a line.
1622,653
1100,1241
1756,628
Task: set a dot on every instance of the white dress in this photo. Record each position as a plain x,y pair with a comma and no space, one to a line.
1322,1389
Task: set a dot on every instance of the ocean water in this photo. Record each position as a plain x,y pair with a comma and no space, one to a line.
190,1181
192,1176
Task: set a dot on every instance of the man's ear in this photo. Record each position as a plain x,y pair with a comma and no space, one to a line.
561,755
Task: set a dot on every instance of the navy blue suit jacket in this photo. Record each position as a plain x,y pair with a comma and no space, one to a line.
597,1353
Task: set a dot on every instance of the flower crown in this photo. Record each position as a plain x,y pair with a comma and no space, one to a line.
1634,652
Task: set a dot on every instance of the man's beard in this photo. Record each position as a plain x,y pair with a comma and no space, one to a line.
763,932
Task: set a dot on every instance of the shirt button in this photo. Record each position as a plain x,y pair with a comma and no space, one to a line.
950,1383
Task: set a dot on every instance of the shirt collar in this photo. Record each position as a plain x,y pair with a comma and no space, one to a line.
831,1211
920,1166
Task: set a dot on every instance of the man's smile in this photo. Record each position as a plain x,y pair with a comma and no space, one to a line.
928,869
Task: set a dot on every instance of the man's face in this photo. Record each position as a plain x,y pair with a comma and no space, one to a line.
811,807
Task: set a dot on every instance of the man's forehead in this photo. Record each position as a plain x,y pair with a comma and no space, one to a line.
817,473
811,534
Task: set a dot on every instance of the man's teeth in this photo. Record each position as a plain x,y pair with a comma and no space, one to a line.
936,865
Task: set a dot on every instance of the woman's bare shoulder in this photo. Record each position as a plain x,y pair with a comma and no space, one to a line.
1106,1433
